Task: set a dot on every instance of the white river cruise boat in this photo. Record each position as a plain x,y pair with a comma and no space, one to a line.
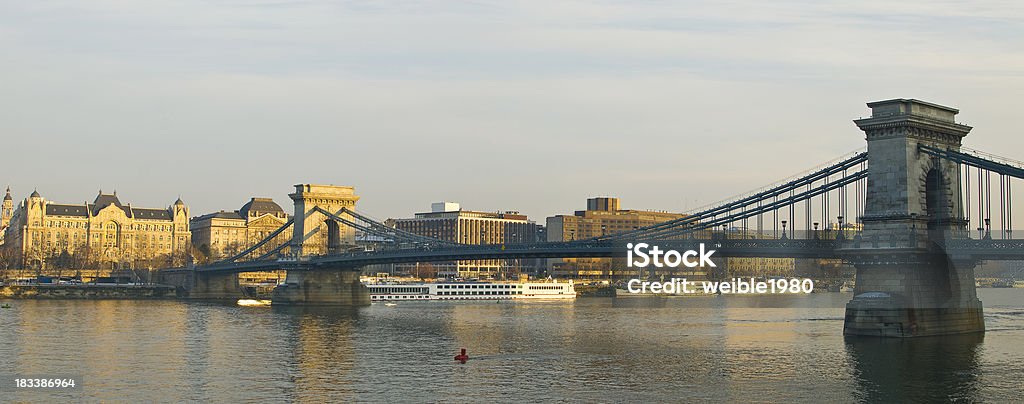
470,291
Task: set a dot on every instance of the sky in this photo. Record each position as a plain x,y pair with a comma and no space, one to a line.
531,106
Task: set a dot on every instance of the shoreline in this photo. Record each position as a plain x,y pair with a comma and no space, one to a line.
88,292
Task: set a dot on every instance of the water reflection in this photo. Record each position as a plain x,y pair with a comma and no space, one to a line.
327,313
318,351
602,350
930,369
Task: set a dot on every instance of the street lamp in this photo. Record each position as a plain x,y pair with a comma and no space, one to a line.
839,219
815,230
783,229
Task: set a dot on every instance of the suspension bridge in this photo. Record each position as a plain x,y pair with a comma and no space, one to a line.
914,213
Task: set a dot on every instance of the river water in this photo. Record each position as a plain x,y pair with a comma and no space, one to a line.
594,349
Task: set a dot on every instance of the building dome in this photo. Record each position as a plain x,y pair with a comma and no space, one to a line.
35,194
8,196
259,207
179,202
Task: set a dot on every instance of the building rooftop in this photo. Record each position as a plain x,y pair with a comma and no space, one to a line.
99,203
259,206
66,210
220,215
469,214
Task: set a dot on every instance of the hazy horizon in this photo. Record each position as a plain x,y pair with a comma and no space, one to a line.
525,106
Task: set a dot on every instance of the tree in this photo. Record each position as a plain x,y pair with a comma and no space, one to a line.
8,259
231,249
424,270
179,258
34,259
61,261
202,254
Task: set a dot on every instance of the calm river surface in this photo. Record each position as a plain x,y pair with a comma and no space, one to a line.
635,349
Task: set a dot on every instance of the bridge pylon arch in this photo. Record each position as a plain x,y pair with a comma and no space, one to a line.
313,232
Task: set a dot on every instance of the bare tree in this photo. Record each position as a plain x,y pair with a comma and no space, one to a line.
202,254
424,270
8,258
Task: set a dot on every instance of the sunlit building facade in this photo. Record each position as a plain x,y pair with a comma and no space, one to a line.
447,221
225,233
105,233
603,216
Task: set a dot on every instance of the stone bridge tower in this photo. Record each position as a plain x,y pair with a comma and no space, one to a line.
313,233
906,284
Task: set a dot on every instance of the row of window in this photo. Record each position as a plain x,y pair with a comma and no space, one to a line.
65,244
388,290
64,236
480,292
499,286
108,226
399,297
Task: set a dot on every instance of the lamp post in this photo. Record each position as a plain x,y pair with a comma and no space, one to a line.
839,219
783,229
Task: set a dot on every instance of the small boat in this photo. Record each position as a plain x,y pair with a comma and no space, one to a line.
253,302
5,306
390,304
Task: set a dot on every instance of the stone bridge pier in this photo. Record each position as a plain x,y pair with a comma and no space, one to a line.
204,286
907,286
323,286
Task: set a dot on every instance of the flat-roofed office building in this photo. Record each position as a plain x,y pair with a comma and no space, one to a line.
449,222
603,216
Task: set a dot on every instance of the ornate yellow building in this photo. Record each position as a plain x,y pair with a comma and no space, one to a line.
223,234
104,233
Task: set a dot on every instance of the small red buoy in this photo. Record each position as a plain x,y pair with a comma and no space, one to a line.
462,357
